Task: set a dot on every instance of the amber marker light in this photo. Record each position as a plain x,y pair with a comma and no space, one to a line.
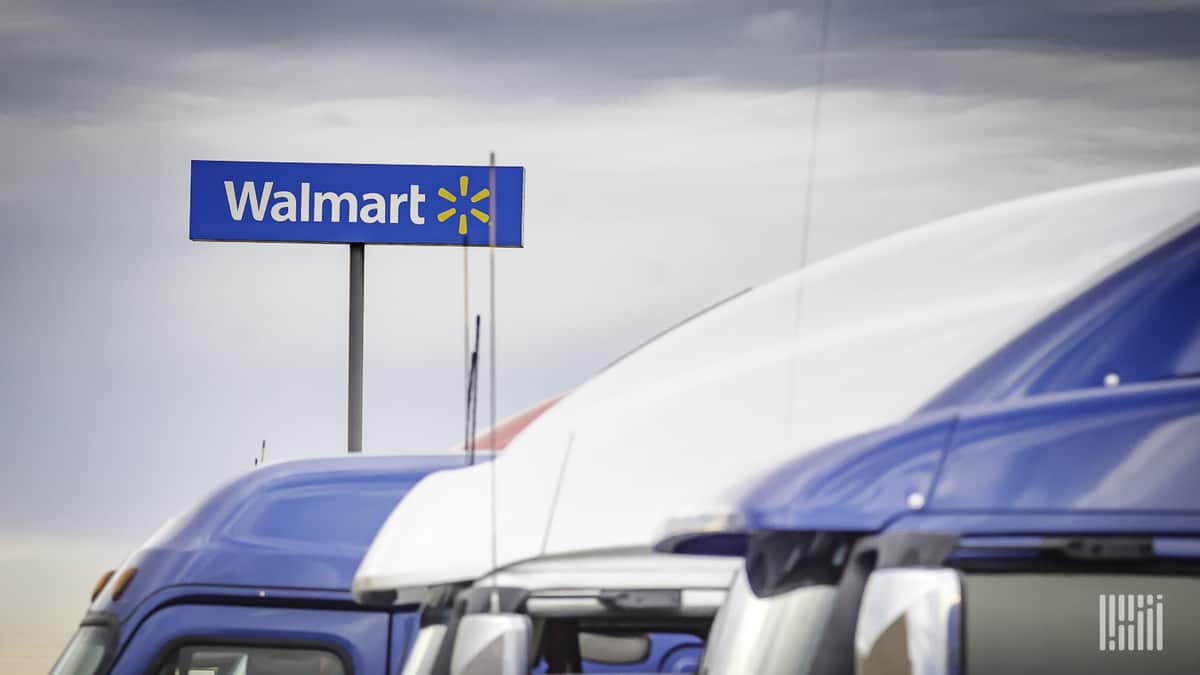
123,582
101,583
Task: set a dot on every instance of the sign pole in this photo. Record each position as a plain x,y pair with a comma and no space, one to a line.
354,411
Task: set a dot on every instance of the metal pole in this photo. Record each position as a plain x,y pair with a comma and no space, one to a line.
467,355
355,397
493,221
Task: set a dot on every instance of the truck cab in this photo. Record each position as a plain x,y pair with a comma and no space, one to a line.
1039,514
1055,536
255,580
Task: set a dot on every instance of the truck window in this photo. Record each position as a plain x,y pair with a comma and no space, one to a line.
251,660
84,653
1152,336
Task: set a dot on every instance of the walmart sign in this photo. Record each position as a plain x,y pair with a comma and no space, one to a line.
355,203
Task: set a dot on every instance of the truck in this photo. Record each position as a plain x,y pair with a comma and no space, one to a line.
1040,514
1018,381
255,579
262,566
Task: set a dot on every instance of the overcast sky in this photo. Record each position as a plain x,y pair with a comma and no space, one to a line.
666,143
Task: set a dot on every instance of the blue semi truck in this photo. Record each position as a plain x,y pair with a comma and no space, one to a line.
1040,514
255,580
258,572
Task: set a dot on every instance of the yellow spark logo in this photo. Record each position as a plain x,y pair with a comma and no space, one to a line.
453,199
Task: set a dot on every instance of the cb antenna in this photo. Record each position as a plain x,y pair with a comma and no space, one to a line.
472,398
814,133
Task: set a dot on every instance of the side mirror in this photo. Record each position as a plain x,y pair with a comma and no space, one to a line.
910,621
617,650
492,644
423,657
774,634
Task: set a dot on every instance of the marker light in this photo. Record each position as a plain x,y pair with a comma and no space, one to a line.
101,583
123,582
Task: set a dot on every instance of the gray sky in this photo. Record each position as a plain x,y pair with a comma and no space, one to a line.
666,145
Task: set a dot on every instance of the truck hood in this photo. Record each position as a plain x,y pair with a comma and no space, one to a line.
854,343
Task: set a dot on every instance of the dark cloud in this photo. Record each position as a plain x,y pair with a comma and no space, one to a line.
95,51
1131,29
98,57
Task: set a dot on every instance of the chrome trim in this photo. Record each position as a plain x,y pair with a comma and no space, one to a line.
588,602
492,644
618,570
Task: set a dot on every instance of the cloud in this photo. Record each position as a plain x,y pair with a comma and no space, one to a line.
105,58
781,26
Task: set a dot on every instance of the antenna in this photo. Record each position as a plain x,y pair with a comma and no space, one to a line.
262,454
472,398
492,220
814,134
810,182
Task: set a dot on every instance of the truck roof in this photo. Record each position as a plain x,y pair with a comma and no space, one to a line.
291,525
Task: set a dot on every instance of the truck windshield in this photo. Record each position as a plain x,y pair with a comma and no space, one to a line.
1080,623
84,653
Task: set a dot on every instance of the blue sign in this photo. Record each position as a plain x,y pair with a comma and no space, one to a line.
355,203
